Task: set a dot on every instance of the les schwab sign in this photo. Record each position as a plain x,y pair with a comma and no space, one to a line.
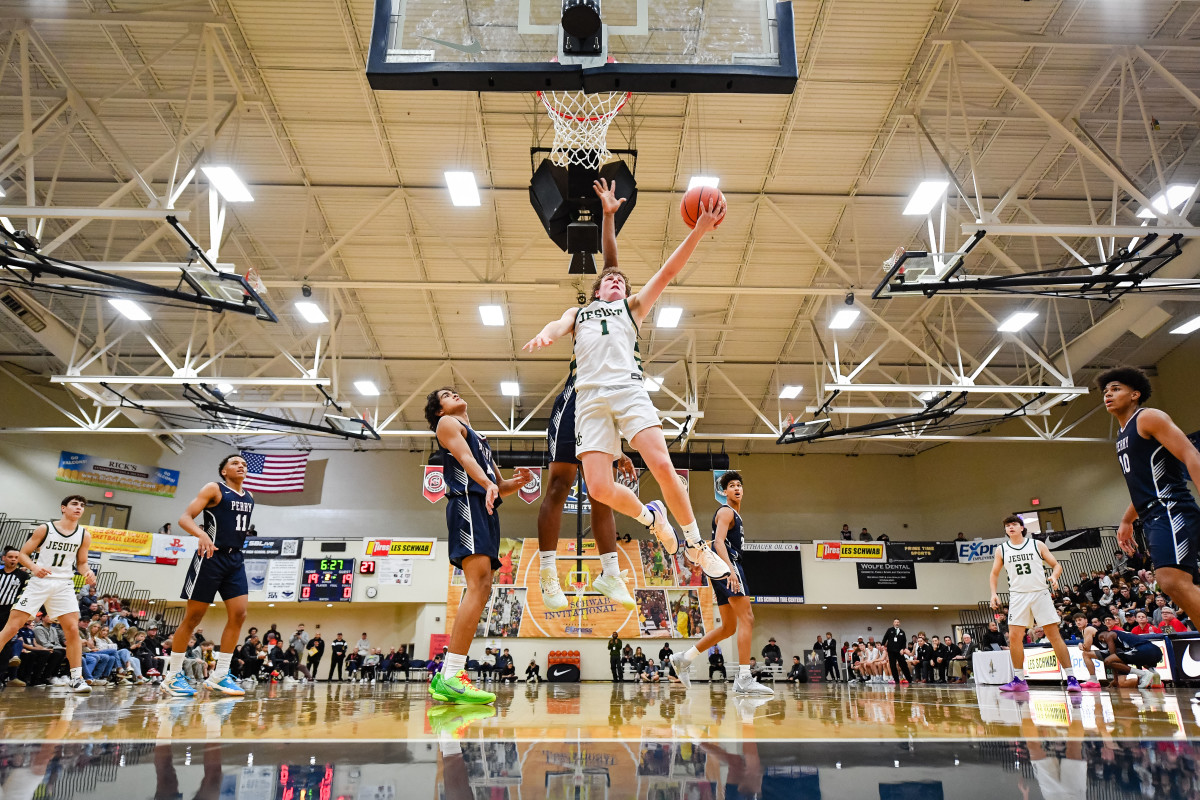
847,551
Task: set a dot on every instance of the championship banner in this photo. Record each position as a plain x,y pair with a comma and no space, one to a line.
672,599
684,477
270,547
925,552
893,575
399,548
977,551
850,551
122,542
433,484
533,489
112,474
717,493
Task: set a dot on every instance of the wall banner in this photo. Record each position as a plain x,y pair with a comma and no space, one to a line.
271,547
925,552
848,551
892,575
979,550
112,474
399,548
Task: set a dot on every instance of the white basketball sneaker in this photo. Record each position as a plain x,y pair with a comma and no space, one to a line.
750,686
614,588
552,593
683,668
661,527
710,563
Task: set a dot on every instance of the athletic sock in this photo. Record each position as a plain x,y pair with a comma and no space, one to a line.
692,654
76,674
222,668
691,534
454,664
611,565
646,517
1020,673
450,746
175,664
744,672
547,557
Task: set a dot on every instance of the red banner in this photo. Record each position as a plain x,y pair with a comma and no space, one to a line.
433,486
533,489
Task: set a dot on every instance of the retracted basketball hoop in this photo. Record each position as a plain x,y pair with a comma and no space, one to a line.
581,123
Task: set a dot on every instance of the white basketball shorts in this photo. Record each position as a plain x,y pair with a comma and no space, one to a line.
604,415
57,595
1030,609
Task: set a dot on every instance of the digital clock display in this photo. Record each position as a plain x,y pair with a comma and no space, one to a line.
327,580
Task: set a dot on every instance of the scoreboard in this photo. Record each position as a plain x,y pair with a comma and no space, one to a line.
327,580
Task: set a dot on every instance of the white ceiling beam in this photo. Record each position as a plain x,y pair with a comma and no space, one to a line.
1062,40
170,380
42,12
876,410
1052,230
57,212
918,388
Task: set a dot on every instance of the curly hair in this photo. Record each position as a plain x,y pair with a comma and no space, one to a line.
729,477
604,273
1132,377
433,406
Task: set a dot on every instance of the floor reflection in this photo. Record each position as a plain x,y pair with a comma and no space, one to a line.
489,769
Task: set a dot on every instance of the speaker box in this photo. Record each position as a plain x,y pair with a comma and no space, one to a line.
561,195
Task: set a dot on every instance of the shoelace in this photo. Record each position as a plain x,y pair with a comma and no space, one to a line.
465,679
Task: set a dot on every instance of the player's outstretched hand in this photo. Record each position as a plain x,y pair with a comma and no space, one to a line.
607,192
205,545
493,492
1125,538
538,342
711,214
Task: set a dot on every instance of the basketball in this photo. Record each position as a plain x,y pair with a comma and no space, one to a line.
696,199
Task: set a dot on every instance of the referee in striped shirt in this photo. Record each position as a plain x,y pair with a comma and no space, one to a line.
12,581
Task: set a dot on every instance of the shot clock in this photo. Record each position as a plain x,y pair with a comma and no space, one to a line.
327,580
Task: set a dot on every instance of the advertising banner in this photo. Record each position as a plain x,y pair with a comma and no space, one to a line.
175,547
256,574
395,571
672,600
1184,650
271,547
1081,539
122,542
924,552
892,575
848,551
399,548
282,577
978,550
113,474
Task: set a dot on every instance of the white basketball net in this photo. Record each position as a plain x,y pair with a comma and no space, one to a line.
581,125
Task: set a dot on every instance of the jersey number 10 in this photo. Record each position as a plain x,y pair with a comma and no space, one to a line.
1124,459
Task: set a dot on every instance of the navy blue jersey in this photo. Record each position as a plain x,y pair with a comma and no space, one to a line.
226,523
1127,641
458,482
1154,476
735,537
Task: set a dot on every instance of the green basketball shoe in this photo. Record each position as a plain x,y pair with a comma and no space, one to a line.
458,690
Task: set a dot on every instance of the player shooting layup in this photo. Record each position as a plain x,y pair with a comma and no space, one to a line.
612,402
1029,600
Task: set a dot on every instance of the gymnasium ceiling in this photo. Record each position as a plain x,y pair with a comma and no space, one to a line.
1051,115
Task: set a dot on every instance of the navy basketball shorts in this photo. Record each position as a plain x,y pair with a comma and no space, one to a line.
560,433
1145,655
720,586
1173,536
472,530
224,573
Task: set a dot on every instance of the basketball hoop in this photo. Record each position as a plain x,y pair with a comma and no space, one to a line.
581,123
255,281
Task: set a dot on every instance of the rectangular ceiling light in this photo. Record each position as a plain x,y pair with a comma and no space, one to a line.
667,316
844,319
703,180
510,388
367,388
491,315
227,182
1017,321
652,383
925,198
1165,202
311,312
130,309
1190,326
226,388
463,189
790,392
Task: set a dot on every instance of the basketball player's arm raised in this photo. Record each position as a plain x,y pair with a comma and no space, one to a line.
81,562
1055,567
553,331
209,496
641,303
609,204
25,555
997,565
452,435
724,523
521,476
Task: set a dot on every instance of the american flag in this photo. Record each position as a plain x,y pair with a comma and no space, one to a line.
275,474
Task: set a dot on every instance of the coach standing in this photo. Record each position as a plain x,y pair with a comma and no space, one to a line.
895,640
614,657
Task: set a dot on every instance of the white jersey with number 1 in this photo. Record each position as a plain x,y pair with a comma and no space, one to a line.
59,552
1026,569
606,348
